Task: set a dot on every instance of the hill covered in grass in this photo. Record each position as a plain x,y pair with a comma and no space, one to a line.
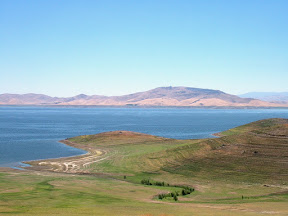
256,152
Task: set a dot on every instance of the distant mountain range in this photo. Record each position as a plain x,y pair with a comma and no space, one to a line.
277,97
162,96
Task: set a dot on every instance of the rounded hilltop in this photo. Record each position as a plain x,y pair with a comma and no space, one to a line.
272,126
115,138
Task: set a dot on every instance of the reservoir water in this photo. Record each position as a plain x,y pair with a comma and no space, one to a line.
31,133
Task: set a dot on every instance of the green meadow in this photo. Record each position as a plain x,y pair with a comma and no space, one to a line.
242,172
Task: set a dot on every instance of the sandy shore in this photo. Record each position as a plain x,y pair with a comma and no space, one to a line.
75,164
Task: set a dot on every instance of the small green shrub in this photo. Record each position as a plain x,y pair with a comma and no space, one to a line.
175,198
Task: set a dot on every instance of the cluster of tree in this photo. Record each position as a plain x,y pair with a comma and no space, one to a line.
146,182
174,195
185,189
157,183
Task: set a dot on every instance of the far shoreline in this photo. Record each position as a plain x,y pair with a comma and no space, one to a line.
142,107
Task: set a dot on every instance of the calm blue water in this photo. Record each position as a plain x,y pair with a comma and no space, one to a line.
30,133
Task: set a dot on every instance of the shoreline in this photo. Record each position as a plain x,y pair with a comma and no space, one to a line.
145,107
72,164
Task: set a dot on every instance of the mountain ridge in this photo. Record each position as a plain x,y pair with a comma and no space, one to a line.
161,96
276,97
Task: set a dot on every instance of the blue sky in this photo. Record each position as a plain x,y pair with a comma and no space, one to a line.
64,48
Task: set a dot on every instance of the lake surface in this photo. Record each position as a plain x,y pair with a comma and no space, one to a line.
31,133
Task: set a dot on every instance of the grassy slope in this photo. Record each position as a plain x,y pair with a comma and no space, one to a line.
276,125
45,194
222,170
255,153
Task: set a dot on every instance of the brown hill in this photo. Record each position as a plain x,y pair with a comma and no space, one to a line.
27,99
163,96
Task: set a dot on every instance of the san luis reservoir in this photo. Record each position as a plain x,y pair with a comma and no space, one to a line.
31,133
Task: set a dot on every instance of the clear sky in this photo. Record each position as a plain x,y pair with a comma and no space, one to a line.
64,48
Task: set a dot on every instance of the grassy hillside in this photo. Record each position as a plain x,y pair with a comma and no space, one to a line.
276,126
257,152
29,193
235,174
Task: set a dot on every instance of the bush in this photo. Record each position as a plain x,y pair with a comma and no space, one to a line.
183,192
146,182
175,198
160,183
157,183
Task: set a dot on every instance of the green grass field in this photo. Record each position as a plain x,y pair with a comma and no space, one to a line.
243,172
